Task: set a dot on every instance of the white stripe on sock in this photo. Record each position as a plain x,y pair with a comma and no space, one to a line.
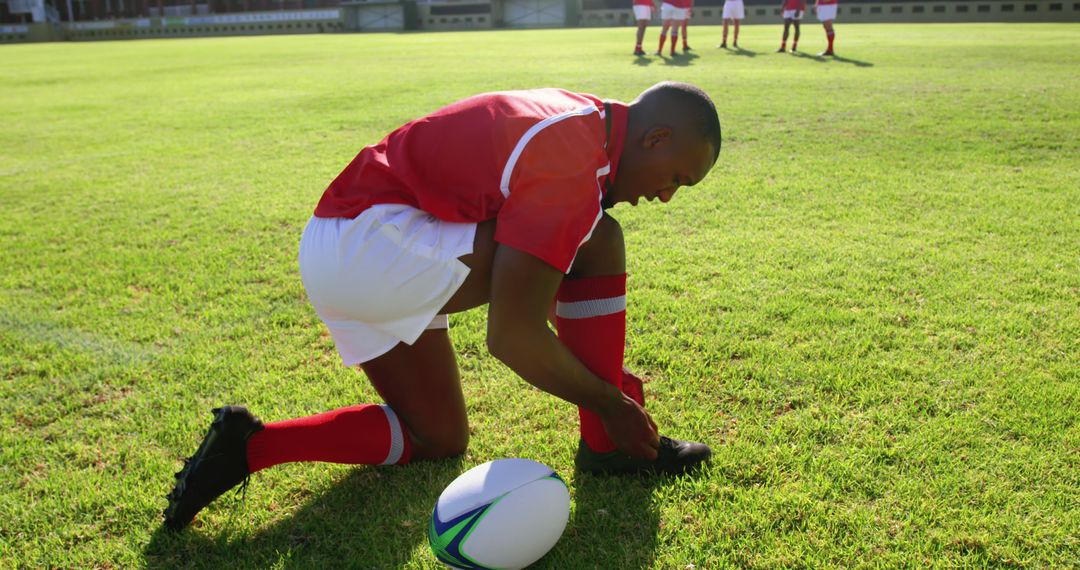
397,441
591,308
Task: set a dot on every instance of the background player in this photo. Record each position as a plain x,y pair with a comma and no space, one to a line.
826,13
733,14
689,5
642,13
512,214
793,12
671,16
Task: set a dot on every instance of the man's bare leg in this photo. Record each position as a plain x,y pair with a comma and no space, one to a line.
421,381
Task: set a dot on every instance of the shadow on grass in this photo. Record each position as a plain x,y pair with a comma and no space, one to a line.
680,59
642,60
854,62
614,525
823,59
377,517
372,518
739,51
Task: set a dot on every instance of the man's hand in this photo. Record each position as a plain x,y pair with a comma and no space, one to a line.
631,428
522,288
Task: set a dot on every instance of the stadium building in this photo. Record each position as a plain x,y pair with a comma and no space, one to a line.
51,20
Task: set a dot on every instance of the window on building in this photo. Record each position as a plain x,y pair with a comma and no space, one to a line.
917,9
1055,7
897,10
1031,7
875,9
856,10
984,8
1006,7
939,9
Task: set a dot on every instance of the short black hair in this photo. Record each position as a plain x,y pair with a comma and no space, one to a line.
692,100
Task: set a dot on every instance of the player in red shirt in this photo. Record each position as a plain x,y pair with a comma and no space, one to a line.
793,11
642,13
673,14
499,199
826,13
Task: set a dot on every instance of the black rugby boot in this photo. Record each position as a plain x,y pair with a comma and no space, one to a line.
219,465
674,457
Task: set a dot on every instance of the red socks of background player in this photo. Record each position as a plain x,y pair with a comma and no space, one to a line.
663,36
591,318
831,36
364,434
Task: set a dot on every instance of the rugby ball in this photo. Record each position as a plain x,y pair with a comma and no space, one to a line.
504,514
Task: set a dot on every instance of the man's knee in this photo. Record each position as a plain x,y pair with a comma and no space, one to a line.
604,253
450,442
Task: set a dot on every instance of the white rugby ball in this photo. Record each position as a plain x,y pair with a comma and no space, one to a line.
504,514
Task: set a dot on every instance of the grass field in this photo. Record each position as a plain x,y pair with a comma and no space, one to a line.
870,309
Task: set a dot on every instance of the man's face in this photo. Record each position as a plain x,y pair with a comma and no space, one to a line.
655,166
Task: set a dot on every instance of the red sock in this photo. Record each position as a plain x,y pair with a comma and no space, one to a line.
831,36
783,45
591,318
674,42
631,385
684,33
662,38
365,434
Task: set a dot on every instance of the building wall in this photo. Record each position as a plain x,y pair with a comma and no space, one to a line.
486,14
876,12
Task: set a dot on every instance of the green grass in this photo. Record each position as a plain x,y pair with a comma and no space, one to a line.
871,308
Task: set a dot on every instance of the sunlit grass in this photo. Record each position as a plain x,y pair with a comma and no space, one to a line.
870,309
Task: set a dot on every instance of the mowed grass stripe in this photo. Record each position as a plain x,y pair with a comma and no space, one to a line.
869,308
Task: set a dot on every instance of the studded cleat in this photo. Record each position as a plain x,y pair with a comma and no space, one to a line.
218,465
674,457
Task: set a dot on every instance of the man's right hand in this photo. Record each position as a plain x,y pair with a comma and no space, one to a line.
631,428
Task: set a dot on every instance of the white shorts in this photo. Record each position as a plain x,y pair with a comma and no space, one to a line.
381,278
669,12
793,14
826,12
642,12
733,9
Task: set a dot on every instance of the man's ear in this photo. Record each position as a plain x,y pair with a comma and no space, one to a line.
658,135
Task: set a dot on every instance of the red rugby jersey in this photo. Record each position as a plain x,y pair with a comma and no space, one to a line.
539,161
795,5
685,4
648,3
826,2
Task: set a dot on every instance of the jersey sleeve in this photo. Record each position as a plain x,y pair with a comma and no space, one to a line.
554,194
